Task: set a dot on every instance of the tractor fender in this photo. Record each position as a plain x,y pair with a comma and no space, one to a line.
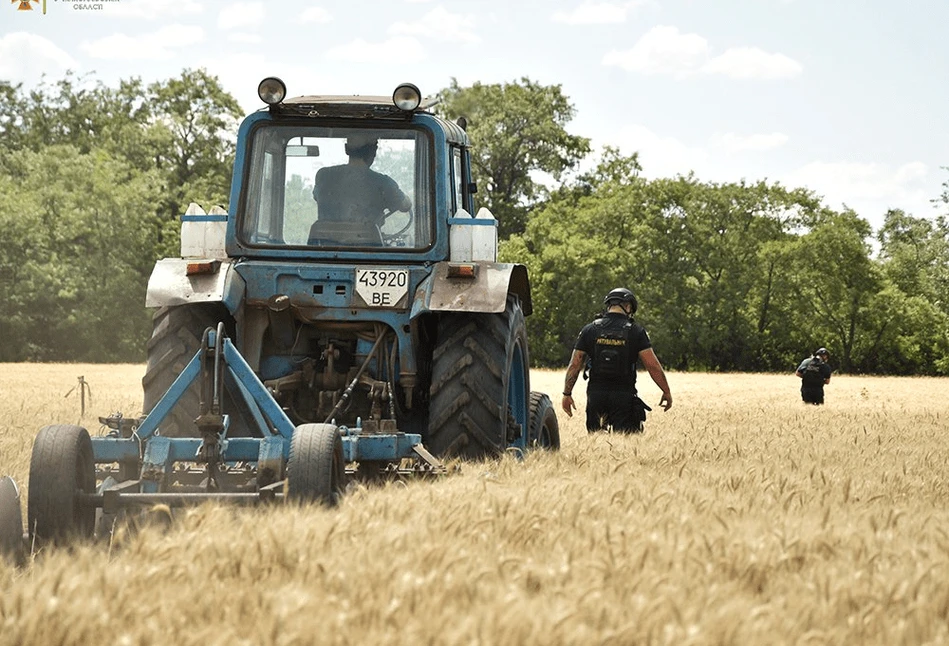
170,284
486,291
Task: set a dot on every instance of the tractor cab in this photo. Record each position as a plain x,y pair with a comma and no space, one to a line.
348,177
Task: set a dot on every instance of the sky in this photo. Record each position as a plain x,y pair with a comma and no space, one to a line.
842,97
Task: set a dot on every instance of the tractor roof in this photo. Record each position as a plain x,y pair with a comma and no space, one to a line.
354,106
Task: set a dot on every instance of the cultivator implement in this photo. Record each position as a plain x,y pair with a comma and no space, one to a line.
79,483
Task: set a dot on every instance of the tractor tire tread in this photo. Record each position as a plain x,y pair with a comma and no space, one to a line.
468,417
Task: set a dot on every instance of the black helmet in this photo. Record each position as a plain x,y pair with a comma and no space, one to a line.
621,295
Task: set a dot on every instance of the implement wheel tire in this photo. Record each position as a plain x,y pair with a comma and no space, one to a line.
480,384
61,468
176,337
11,521
316,470
544,429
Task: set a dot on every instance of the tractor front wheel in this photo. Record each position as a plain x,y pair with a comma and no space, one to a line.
61,468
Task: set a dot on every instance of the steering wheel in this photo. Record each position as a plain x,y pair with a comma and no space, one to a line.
390,238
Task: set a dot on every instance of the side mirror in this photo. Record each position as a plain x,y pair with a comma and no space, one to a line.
472,188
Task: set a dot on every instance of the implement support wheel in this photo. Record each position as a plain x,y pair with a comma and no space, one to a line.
61,468
316,471
11,521
544,429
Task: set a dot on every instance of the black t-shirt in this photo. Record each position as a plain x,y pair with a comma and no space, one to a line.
613,322
351,193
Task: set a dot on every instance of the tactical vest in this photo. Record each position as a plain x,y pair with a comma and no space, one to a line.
611,358
812,376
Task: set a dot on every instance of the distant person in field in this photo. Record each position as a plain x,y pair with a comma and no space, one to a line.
609,348
814,372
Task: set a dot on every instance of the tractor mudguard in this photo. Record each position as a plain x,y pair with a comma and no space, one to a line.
485,291
170,284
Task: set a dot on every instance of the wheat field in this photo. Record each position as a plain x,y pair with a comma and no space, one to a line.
741,516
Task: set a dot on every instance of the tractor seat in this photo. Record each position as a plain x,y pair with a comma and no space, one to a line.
348,234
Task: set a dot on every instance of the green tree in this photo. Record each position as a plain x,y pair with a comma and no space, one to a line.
518,131
93,181
707,262
75,255
191,126
914,253
838,288
569,250
76,111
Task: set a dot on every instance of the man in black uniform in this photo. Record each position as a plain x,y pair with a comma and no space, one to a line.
613,342
814,373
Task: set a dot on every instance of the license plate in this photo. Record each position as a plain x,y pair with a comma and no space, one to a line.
382,287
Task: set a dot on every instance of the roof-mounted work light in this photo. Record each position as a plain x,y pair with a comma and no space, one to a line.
407,97
272,90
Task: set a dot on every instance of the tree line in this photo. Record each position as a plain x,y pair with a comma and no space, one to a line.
745,276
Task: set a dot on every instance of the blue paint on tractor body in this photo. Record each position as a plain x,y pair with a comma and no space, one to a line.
160,454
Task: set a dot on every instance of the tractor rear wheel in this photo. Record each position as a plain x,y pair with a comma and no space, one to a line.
316,470
61,468
544,429
176,337
480,384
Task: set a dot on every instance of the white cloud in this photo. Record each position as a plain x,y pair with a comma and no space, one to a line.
665,50
661,156
910,172
596,13
732,142
158,45
667,156
154,9
440,24
662,50
867,188
402,50
241,73
244,37
316,15
241,14
24,58
751,62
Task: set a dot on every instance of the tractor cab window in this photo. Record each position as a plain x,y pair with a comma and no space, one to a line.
338,188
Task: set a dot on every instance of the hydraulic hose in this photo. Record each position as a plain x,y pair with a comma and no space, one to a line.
352,385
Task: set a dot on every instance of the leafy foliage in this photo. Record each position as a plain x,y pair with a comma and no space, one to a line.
518,130
729,276
93,181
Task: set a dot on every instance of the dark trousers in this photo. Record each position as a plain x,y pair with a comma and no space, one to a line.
614,410
813,395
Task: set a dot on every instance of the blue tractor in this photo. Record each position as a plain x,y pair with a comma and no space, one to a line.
336,320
